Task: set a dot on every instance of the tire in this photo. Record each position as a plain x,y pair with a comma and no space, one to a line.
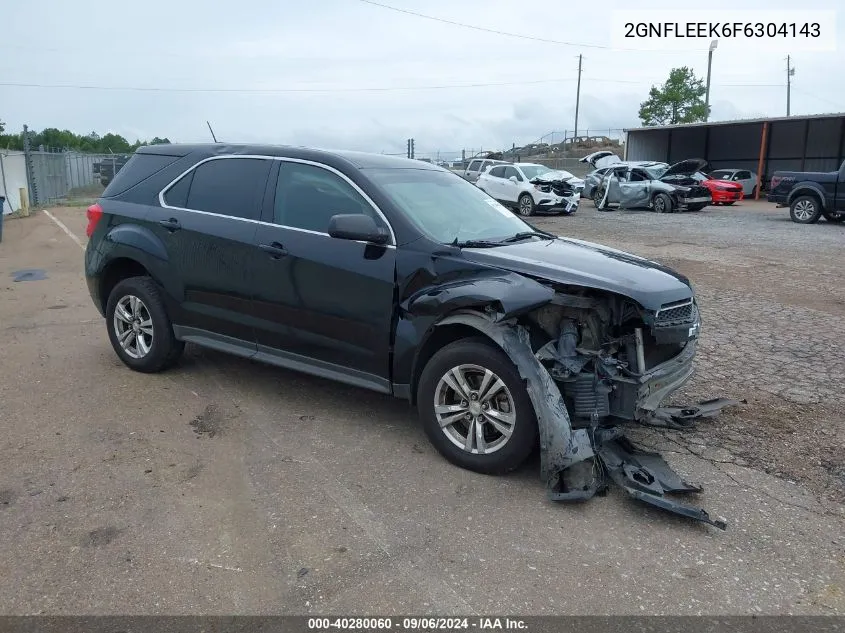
727,204
662,203
699,207
598,197
140,299
753,192
525,205
471,357
805,210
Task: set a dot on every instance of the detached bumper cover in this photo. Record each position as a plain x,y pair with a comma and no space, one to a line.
559,204
577,464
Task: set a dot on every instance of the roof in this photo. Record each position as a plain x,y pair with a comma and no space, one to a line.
361,160
838,115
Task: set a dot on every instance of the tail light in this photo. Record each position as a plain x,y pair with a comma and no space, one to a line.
94,214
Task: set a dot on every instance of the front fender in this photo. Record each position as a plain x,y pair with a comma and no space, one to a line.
561,446
507,294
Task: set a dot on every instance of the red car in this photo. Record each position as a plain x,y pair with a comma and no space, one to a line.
721,191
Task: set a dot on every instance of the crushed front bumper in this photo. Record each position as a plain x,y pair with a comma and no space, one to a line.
558,204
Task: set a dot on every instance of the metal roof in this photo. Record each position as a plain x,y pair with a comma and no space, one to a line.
838,115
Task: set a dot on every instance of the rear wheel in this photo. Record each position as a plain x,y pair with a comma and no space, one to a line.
475,409
662,203
805,210
525,205
139,328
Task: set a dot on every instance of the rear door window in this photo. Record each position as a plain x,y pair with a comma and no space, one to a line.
226,186
474,165
498,172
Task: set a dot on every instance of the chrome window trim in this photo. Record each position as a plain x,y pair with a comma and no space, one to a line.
302,161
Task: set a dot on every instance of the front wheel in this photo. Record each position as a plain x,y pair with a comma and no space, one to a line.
139,328
662,203
727,204
525,205
805,210
475,409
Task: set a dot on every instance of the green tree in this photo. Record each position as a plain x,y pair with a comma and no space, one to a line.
679,100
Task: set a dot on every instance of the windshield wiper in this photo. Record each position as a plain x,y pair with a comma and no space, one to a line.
476,243
526,234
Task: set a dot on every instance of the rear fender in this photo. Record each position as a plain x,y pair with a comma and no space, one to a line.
807,189
138,238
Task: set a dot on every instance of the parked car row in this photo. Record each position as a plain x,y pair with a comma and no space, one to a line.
664,188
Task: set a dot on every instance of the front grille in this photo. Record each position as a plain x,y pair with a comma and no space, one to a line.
675,314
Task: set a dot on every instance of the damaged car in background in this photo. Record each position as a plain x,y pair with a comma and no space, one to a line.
530,188
664,189
394,275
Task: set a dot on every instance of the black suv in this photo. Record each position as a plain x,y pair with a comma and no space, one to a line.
394,275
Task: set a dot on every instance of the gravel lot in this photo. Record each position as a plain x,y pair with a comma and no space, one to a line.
225,487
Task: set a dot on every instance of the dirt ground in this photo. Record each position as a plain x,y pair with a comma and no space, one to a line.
223,486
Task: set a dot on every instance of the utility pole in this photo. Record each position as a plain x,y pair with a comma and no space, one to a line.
412,148
790,71
577,96
713,46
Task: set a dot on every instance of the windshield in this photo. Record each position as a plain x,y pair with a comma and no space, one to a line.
721,175
655,172
532,171
446,207
700,177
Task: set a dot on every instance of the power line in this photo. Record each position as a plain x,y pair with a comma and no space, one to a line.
339,89
509,34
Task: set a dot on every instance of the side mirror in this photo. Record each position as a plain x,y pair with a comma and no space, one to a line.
357,226
513,179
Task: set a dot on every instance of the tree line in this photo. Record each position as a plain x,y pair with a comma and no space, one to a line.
54,138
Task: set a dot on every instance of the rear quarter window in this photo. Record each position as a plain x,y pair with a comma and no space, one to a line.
137,169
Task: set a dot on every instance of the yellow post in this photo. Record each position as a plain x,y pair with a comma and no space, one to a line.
24,196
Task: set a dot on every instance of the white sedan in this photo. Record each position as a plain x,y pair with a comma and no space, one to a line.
530,188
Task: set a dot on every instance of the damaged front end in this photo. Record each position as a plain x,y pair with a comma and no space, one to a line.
592,363
556,195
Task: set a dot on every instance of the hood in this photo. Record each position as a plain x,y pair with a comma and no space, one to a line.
575,262
558,175
601,159
686,167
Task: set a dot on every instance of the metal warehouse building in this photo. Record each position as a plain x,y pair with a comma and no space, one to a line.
809,143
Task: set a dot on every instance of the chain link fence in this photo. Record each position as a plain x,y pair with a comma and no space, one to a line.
56,174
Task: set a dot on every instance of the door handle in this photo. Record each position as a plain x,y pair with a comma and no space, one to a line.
171,224
274,249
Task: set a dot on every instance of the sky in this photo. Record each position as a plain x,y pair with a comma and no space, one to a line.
303,73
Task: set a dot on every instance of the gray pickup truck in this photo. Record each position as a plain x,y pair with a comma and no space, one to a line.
810,194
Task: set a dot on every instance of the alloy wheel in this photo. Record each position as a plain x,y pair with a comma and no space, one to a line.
475,409
804,209
133,326
526,205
